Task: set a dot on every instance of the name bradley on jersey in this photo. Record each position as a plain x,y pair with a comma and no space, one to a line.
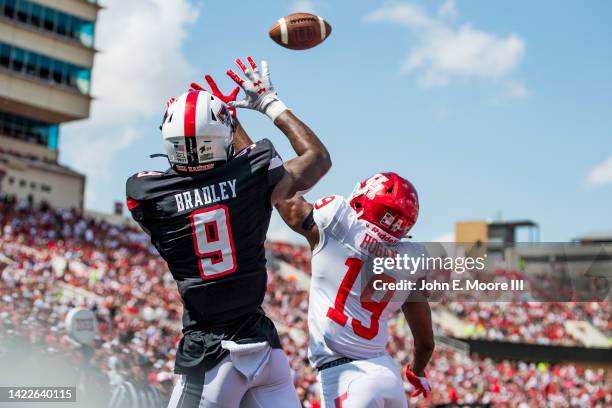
213,193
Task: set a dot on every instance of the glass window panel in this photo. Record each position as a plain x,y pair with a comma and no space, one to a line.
62,24
40,133
49,19
31,65
74,26
17,59
23,11
72,77
86,33
29,130
83,80
5,55
56,71
9,8
52,136
44,67
36,15
70,26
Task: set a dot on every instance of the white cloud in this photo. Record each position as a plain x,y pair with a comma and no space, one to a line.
140,64
303,6
601,174
445,52
448,10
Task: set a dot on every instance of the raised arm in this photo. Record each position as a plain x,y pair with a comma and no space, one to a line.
311,163
297,214
418,315
312,160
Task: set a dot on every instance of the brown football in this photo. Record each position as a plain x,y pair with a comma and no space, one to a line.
300,31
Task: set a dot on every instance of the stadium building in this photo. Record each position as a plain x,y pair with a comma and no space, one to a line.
46,57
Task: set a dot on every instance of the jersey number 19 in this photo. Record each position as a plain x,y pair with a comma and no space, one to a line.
337,313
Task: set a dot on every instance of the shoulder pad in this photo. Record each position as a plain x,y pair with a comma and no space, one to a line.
262,155
332,212
138,186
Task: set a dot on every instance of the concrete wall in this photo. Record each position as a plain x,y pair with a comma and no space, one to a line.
65,190
35,99
9,143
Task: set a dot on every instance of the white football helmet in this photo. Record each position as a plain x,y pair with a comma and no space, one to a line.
197,131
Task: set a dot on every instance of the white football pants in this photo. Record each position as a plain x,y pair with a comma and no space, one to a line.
373,383
230,384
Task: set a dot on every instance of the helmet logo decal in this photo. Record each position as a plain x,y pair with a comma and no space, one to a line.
387,220
179,150
397,226
374,185
205,151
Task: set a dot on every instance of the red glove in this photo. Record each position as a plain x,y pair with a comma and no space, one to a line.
216,92
420,384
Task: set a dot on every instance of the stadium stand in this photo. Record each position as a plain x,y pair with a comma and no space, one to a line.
54,260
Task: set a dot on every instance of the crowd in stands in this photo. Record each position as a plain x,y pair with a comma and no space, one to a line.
517,321
296,255
533,322
50,258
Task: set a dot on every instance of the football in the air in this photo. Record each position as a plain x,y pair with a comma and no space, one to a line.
300,31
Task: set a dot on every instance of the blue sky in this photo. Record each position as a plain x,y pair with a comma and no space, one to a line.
488,107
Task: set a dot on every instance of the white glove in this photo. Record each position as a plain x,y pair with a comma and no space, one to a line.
260,93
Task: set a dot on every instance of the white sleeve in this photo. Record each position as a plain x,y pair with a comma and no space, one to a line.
331,215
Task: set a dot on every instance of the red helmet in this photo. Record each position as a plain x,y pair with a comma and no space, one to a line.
386,201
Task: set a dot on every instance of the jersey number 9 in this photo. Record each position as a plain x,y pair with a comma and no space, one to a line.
213,241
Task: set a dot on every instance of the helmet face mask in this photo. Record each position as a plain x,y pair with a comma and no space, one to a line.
197,132
388,204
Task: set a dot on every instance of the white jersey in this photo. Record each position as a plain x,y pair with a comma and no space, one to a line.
343,319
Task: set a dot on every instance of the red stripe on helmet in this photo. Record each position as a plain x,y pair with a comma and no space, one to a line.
190,113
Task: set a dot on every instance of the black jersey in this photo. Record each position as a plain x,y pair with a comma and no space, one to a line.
210,228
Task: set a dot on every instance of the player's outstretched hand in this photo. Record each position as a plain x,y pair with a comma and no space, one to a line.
260,93
420,384
228,99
